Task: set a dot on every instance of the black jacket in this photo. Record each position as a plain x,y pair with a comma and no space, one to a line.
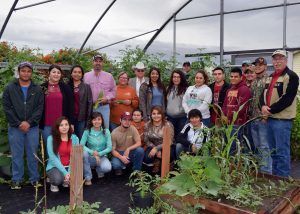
222,94
68,102
86,102
18,110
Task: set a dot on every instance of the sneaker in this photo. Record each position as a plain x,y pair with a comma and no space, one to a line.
148,164
88,183
66,185
15,185
36,184
54,188
100,175
48,180
118,172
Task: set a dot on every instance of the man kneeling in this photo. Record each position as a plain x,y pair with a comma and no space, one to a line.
126,146
193,134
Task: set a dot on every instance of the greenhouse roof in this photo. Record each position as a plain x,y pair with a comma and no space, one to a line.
247,24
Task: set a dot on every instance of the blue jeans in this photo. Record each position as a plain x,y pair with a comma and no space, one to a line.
112,126
279,134
46,132
206,122
260,140
178,123
105,111
181,148
17,142
103,167
79,128
135,156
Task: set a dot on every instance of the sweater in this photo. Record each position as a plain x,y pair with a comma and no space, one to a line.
197,98
117,107
54,159
174,104
93,140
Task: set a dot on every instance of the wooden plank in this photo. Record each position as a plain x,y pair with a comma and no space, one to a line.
76,179
165,166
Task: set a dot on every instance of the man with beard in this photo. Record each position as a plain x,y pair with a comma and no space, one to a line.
103,88
259,125
23,103
279,107
126,146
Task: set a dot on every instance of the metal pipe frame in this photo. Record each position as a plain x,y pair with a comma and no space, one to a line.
8,17
221,31
237,11
174,39
94,27
241,52
32,5
139,35
164,25
284,24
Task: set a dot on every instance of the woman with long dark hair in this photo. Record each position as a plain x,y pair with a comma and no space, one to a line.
59,100
153,137
83,100
59,145
97,144
152,94
176,89
199,97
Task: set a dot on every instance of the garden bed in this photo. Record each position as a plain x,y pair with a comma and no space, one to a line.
285,203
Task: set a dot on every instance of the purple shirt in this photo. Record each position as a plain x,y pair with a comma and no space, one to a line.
103,82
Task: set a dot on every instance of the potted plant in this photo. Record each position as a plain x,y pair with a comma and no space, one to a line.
142,197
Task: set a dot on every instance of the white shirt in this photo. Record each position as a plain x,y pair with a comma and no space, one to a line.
138,85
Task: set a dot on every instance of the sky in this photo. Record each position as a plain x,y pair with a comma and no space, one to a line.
66,23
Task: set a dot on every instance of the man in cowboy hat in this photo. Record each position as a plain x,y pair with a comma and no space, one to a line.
139,79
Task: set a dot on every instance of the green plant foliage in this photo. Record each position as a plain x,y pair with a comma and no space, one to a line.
143,182
295,133
150,210
86,208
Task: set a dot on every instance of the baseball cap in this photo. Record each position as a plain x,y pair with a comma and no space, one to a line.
279,52
260,60
246,62
126,115
186,63
97,56
25,64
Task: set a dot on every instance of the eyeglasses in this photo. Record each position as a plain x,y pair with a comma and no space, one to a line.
123,78
139,70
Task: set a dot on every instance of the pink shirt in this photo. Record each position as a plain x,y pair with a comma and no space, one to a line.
102,82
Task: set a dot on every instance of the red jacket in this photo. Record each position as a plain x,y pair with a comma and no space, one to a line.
236,96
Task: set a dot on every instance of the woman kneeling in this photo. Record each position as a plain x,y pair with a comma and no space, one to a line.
97,144
59,146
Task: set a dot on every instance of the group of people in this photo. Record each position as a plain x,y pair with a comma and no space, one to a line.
128,119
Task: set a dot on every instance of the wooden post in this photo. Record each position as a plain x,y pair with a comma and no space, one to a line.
76,179
165,166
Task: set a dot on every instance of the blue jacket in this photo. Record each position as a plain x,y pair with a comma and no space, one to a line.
54,160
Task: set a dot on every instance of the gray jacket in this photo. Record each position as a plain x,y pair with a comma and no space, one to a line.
146,100
18,110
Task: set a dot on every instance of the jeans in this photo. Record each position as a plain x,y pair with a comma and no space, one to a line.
112,126
260,140
181,148
79,127
178,123
17,142
135,156
206,122
148,159
105,111
55,176
103,167
279,134
46,132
